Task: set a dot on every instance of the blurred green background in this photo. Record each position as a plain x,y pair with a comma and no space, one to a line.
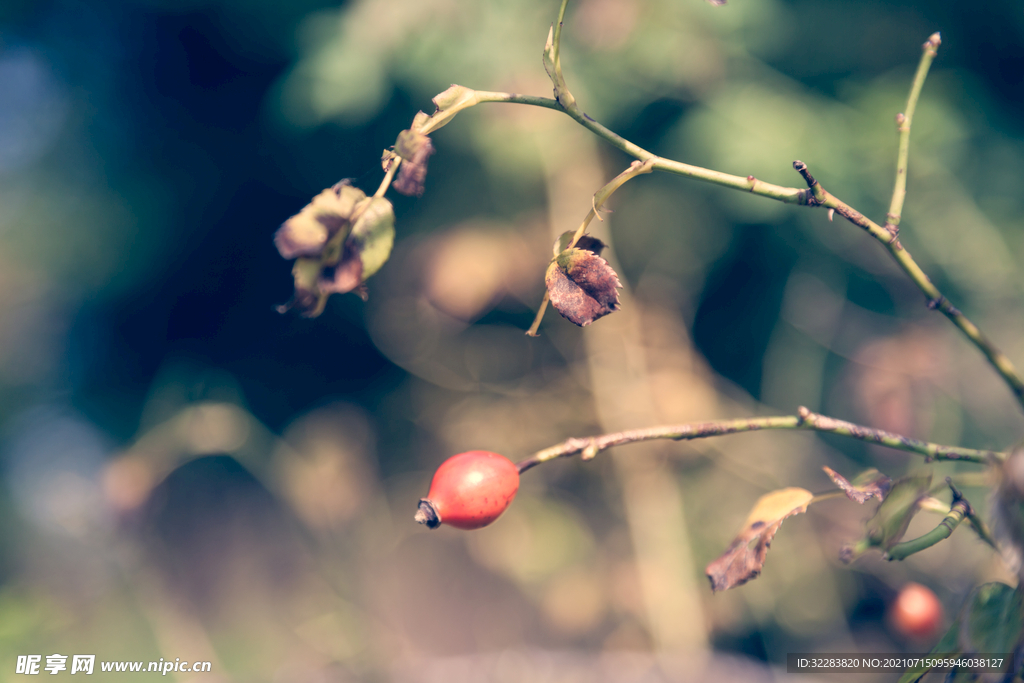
187,474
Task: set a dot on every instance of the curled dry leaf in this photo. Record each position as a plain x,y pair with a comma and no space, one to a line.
449,103
745,556
367,248
868,484
307,232
582,286
415,148
351,252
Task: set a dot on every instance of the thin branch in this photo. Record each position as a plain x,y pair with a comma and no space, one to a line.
805,419
902,551
532,332
393,165
903,120
788,195
978,526
906,262
815,195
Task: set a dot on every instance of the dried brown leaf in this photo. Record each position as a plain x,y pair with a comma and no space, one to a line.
582,286
415,148
869,484
366,249
307,232
745,556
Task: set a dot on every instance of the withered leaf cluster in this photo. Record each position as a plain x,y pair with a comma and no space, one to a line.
744,559
338,240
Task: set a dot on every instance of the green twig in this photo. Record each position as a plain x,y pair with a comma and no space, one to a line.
975,522
815,195
952,520
553,64
556,45
788,195
805,419
957,512
906,262
903,121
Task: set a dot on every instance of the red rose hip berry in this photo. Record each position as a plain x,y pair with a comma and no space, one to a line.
469,491
916,613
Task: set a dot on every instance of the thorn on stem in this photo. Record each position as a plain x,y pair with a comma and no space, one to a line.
804,413
831,214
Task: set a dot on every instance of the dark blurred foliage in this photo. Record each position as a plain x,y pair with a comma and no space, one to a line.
190,474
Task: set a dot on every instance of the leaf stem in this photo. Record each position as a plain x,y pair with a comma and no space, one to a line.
903,121
388,176
805,419
532,332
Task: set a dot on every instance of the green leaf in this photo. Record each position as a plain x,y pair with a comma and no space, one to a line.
890,521
582,286
893,517
745,556
1008,508
374,235
994,621
991,622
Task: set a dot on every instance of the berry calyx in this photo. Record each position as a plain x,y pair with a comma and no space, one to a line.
916,613
469,491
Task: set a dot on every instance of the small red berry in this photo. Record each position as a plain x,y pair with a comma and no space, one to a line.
916,613
469,490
